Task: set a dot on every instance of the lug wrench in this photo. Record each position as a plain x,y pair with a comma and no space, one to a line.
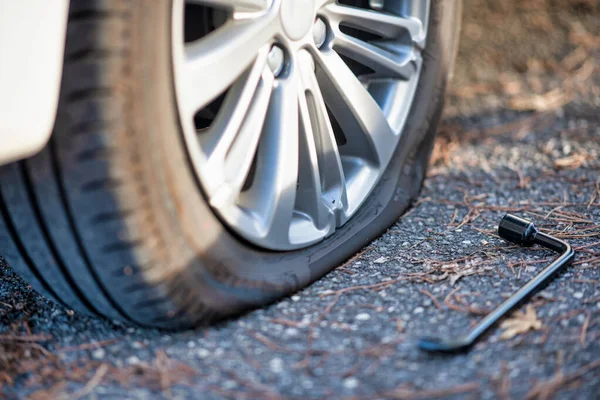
523,233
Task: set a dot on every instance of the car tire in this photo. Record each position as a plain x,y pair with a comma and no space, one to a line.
110,219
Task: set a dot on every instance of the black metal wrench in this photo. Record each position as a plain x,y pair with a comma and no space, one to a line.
523,233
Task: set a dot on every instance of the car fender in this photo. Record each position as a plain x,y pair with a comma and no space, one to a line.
32,42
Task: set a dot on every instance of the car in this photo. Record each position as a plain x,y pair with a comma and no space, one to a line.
173,163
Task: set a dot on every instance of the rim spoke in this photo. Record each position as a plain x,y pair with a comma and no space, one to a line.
386,25
233,112
385,63
240,134
319,4
273,192
367,130
236,5
310,196
214,63
324,164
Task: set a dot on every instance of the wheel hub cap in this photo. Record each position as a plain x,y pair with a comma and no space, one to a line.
291,110
297,17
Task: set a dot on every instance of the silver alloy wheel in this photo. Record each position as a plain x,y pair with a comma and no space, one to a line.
307,101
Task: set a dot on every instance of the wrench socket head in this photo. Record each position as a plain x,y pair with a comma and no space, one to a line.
517,230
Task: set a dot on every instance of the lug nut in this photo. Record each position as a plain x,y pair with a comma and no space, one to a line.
276,60
319,32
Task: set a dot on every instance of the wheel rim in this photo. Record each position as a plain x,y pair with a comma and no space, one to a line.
292,110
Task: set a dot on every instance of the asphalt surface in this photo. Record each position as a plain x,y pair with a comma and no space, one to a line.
502,149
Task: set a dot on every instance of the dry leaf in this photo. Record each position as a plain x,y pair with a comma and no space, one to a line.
572,162
456,277
520,322
535,102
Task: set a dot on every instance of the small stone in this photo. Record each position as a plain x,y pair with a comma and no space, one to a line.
363,317
230,384
276,365
418,310
296,298
306,384
578,295
292,332
191,344
98,354
350,383
380,260
202,353
133,360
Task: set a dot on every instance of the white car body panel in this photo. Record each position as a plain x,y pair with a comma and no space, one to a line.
32,41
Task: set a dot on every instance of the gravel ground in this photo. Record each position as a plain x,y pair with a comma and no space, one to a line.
521,135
